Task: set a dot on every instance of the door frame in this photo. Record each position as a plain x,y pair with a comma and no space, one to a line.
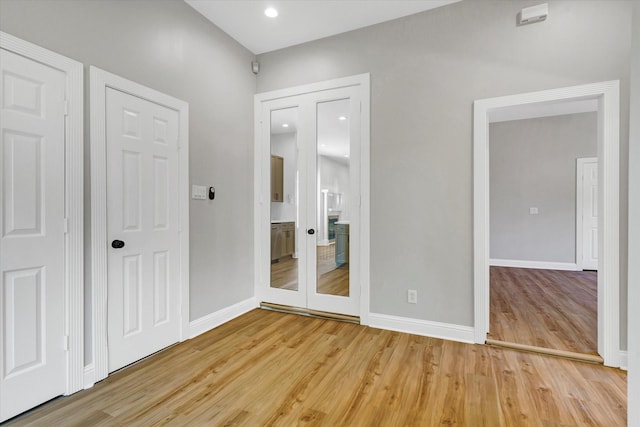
580,162
260,200
99,81
606,96
74,193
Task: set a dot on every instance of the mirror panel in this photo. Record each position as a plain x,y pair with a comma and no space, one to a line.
333,164
285,166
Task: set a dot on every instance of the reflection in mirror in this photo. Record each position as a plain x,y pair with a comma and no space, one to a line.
333,149
284,199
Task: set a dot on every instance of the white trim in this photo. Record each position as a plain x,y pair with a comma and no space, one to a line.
74,169
542,265
633,267
213,320
445,331
365,197
89,376
607,95
260,202
580,162
356,80
623,357
99,81
533,111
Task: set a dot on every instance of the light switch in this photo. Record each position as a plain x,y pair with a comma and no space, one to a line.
533,211
199,192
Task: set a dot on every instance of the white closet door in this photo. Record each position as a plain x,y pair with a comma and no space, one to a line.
32,244
590,215
142,207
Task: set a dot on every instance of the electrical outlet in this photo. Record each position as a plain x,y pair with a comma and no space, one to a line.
412,296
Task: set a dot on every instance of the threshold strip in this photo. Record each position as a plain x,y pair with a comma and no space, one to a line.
308,312
589,358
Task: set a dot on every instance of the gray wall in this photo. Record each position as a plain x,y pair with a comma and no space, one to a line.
533,164
168,46
426,71
633,379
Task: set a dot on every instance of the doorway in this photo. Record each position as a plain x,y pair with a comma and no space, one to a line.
139,220
600,97
310,147
538,297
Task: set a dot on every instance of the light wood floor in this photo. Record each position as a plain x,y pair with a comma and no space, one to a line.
545,308
273,369
332,279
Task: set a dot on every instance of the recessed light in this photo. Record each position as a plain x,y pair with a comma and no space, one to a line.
342,118
346,155
285,125
271,12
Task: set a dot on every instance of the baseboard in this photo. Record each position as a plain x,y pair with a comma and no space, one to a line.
623,358
544,265
210,321
89,376
445,331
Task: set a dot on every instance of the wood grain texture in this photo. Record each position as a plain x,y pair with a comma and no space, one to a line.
545,308
273,369
332,279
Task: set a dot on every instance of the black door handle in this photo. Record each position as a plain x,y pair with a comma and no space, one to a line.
311,231
117,244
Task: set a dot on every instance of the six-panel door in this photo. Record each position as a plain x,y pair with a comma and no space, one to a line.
142,213
32,243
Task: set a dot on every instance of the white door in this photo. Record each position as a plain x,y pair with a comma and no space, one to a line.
142,227
32,244
318,137
589,213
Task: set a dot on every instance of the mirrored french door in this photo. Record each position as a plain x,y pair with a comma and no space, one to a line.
310,211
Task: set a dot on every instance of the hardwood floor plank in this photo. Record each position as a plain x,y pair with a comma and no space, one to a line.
268,368
544,308
332,279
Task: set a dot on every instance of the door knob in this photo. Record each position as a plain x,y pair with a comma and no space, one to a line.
311,231
117,244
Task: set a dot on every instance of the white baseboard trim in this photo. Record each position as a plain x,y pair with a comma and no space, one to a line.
445,331
210,321
544,265
623,358
89,376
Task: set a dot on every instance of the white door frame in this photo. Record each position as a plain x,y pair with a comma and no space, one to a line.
99,81
580,162
73,189
260,200
607,95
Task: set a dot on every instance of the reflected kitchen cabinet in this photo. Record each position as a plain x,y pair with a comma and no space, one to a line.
282,239
277,178
342,243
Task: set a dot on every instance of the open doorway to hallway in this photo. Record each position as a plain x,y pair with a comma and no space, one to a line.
540,299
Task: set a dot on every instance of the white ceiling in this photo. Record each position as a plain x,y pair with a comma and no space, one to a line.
300,21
